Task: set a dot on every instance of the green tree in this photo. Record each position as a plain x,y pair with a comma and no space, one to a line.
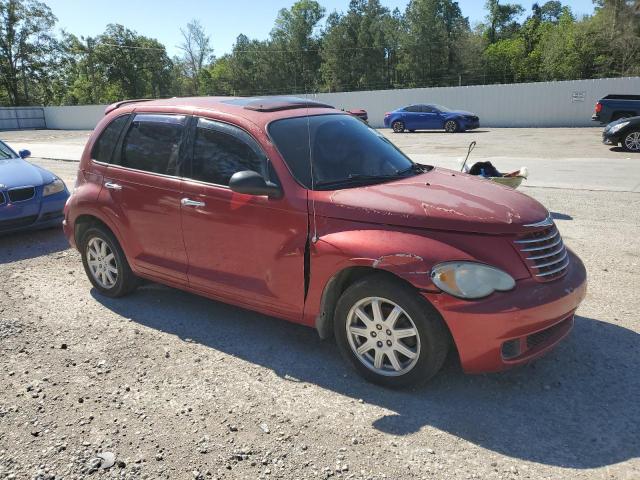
197,53
433,29
295,45
360,47
501,20
27,50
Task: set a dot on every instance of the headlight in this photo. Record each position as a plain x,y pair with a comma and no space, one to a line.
618,126
470,280
54,187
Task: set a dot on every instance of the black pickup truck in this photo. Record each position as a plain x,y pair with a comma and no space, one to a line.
614,107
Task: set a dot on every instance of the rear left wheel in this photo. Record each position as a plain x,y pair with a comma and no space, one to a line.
391,335
105,263
398,126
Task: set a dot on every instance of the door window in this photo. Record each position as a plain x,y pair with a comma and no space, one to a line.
413,109
152,143
103,148
428,109
221,150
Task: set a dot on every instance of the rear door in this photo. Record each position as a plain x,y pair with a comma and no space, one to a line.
143,188
244,249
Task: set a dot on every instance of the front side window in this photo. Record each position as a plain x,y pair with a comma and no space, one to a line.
152,143
221,150
103,148
340,150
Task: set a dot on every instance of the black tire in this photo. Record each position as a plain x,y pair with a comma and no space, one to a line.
451,126
126,282
398,126
412,131
631,141
433,336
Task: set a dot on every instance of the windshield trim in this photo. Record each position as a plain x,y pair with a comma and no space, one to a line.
293,176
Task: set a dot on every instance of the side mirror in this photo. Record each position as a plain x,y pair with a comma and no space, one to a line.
24,154
252,183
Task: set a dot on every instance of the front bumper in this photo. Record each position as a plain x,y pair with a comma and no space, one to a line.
609,139
534,317
42,212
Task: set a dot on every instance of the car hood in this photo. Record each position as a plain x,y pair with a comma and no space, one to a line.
440,199
461,112
16,172
631,120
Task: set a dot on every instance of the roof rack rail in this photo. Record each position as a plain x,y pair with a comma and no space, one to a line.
117,105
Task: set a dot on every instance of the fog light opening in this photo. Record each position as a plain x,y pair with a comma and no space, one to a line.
511,349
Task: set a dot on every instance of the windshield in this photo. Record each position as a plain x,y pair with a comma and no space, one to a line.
6,152
441,108
344,151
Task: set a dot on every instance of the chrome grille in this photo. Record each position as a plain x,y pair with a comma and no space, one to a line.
544,253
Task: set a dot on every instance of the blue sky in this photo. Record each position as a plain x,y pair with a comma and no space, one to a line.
223,19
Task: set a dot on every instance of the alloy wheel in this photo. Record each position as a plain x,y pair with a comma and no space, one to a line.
451,126
632,141
102,263
398,127
383,336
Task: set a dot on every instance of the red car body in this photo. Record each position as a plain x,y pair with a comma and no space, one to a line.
290,257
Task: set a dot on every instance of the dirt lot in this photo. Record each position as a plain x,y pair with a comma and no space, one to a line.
177,386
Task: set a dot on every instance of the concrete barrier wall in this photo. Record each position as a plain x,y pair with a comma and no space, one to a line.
82,117
544,104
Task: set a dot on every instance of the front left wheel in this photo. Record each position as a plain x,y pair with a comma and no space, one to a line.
631,141
391,335
451,126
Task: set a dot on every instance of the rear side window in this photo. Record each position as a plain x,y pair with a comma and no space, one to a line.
413,108
152,143
221,150
103,148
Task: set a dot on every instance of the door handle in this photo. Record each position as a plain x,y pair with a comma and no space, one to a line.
112,186
187,202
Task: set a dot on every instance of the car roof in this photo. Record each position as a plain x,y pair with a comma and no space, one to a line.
259,110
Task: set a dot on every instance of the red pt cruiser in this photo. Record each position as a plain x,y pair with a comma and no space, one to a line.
295,209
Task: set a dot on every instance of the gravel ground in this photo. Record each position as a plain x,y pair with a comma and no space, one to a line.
177,386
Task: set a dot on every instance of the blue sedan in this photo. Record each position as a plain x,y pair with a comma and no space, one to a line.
430,117
30,197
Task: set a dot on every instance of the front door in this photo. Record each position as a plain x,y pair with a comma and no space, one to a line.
430,118
144,188
244,249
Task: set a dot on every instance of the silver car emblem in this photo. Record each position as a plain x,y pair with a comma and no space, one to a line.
547,222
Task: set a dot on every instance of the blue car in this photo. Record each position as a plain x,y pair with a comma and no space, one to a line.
30,196
430,117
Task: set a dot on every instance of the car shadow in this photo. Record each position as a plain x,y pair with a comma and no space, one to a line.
31,244
577,407
442,131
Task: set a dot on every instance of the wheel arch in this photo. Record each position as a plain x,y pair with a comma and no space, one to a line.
337,285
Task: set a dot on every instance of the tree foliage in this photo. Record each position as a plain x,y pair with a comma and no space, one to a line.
430,43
